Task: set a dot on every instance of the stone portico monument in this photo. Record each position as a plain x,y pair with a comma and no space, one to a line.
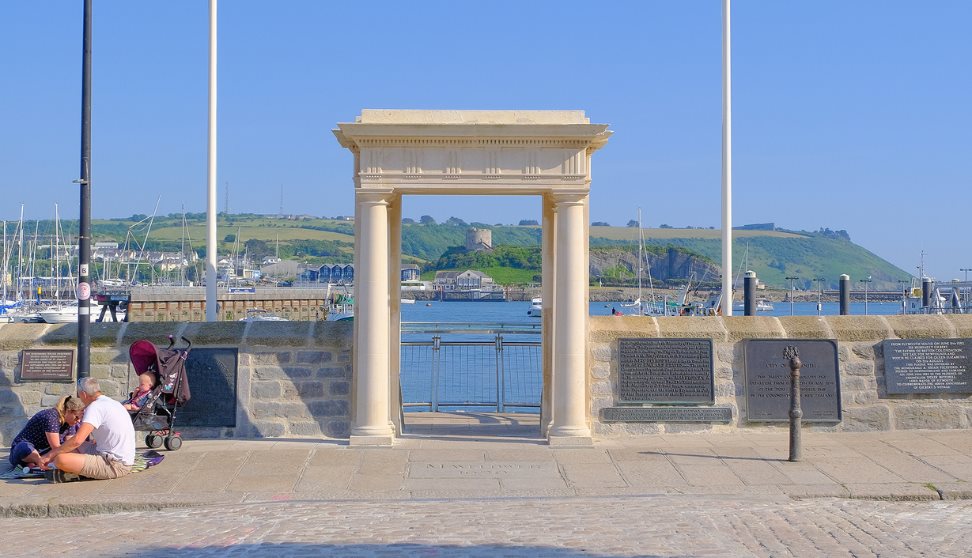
436,152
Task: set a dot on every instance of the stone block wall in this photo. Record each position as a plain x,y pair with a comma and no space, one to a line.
866,405
293,378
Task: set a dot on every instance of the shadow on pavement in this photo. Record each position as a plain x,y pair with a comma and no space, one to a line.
312,549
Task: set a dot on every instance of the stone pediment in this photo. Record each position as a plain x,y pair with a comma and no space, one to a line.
472,152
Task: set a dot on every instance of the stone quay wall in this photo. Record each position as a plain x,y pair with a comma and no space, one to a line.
293,378
188,304
865,403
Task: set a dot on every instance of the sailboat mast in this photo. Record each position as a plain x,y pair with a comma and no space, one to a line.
640,264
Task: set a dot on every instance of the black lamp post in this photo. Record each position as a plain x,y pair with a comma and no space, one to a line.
84,236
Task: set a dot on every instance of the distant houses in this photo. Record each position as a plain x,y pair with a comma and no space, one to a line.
343,274
469,285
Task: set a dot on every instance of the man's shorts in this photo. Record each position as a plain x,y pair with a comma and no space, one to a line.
103,467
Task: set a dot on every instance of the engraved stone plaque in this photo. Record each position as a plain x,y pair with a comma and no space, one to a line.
928,365
47,365
768,380
666,414
665,371
212,380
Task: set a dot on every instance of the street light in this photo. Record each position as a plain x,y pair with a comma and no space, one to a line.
965,288
819,281
791,280
865,281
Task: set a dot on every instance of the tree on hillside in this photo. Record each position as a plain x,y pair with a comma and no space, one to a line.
427,220
258,249
408,221
632,223
456,222
529,223
600,224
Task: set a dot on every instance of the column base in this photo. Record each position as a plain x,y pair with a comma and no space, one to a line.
356,440
570,436
372,436
570,441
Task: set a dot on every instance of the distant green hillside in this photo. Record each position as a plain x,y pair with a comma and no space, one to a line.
772,254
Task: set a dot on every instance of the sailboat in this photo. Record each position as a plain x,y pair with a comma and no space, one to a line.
62,311
652,307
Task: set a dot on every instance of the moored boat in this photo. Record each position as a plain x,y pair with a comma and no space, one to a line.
536,308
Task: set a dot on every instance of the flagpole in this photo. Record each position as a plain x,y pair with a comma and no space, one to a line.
211,310
726,164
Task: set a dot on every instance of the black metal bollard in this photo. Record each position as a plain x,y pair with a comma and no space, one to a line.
749,293
796,414
844,294
926,292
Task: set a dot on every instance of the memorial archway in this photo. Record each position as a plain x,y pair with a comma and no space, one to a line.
419,152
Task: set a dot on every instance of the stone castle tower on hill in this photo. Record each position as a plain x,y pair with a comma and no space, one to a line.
479,239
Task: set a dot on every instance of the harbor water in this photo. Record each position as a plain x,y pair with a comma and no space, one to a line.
506,312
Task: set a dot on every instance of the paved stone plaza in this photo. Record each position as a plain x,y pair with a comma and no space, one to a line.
485,485
528,527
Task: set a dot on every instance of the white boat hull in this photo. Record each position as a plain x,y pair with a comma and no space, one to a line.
63,315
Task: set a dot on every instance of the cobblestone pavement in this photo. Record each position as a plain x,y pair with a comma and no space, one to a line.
560,527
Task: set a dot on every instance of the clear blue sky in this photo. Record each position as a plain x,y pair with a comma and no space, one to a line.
848,115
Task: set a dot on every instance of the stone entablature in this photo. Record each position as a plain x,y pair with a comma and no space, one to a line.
469,152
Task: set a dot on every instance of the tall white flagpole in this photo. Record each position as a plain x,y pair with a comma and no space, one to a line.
211,314
726,164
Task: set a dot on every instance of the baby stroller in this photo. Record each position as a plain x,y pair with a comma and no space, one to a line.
171,391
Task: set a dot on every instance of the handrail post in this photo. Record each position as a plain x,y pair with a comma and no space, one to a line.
434,398
500,380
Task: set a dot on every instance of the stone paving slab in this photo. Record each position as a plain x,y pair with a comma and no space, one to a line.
872,466
954,490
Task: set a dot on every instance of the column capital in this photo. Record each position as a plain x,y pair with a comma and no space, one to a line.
561,199
380,197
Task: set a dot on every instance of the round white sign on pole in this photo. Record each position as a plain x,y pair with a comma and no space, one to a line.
84,291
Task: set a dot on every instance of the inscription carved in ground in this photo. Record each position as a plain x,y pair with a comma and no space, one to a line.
486,470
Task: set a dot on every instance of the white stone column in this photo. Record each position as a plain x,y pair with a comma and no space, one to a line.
570,425
548,277
371,425
394,311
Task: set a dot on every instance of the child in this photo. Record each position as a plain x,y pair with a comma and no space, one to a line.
139,397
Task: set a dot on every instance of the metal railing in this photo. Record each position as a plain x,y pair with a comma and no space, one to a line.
459,365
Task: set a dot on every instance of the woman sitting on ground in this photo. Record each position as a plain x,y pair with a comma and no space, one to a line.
46,430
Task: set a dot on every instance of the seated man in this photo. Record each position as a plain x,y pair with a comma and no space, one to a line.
112,452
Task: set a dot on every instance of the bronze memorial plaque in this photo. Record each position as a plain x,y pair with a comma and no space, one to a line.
928,365
768,380
673,371
47,365
212,379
